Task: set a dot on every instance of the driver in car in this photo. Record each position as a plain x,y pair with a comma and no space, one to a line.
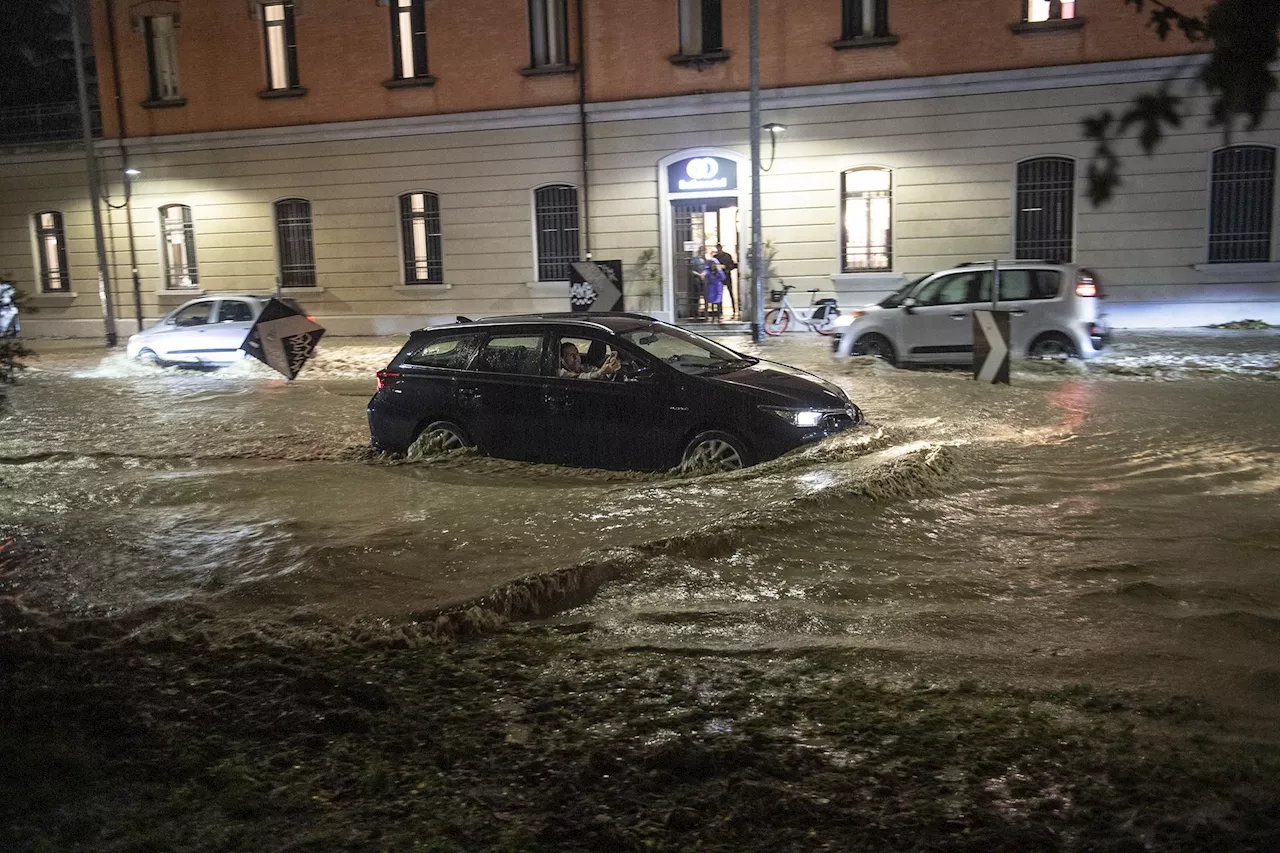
571,364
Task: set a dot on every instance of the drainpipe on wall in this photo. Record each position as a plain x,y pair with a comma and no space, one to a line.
91,167
124,163
582,132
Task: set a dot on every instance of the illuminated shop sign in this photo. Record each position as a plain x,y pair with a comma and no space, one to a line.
703,174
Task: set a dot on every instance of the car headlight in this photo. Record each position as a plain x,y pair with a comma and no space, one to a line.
843,320
798,417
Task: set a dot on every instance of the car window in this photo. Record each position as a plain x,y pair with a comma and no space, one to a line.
955,289
234,311
592,352
195,314
686,352
453,352
516,354
1030,284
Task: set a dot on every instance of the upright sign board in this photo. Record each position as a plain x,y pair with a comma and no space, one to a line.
595,286
713,175
991,346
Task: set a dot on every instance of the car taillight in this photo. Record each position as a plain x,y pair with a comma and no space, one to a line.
312,319
1086,287
383,376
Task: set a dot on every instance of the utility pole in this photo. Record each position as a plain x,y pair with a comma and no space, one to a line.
91,167
757,250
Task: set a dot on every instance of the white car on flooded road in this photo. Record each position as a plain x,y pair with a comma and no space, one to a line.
208,331
1054,312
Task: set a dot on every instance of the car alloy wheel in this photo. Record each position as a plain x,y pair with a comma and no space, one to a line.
714,451
441,437
877,346
1054,347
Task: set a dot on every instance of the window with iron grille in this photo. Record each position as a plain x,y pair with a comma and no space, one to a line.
548,33
867,229
179,237
293,234
51,246
701,29
1241,203
409,38
1049,10
556,226
1044,204
864,19
420,236
162,57
281,46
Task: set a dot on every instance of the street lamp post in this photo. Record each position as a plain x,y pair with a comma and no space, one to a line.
91,166
757,252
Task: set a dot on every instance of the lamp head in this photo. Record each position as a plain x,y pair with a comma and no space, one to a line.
775,128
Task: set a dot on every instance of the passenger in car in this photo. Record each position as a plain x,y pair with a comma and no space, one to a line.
571,364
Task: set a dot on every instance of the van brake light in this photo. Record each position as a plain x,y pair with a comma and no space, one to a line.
1086,287
383,376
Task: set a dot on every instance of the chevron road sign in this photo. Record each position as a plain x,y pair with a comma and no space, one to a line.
282,338
991,347
595,286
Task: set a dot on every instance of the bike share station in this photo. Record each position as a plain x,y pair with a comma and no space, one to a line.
705,198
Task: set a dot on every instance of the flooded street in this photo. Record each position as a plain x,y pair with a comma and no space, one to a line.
1113,524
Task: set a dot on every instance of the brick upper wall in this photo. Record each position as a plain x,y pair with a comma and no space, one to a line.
476,50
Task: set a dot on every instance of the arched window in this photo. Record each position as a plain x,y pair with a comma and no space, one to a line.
178,236
1044,209
293,237
556,229
1241,204
420,238
867,220
51,248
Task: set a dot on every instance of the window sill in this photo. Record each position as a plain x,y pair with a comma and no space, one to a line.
58,296
700,60
409,82
273,94
1025,27
311,288
421,289
547,70
1248,271
188,291
163,103
865,41
549,286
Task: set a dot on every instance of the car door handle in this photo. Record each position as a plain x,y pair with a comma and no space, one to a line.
958,316
1018,313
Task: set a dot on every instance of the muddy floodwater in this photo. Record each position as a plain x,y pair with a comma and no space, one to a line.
1115,524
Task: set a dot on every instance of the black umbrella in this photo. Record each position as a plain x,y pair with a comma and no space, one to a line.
283,338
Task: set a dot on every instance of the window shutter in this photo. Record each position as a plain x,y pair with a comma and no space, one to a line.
882,18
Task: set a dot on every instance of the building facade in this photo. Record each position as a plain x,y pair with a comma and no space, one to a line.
392,161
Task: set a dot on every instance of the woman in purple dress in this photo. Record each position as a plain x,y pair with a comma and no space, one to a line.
713,275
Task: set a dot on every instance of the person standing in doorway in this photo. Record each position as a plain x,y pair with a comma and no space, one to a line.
712,275
725,260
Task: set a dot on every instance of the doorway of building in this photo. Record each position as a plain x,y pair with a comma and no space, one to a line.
700,224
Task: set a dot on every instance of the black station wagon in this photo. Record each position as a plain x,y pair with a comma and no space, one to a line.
621,391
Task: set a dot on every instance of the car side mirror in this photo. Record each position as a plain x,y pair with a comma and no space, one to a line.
909,305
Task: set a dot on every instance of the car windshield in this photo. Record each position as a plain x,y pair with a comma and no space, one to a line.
900,294
686,352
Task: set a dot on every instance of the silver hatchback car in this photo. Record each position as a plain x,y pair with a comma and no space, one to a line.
1054,307
208,330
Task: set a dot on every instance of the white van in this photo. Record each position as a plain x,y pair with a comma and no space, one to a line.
1054,307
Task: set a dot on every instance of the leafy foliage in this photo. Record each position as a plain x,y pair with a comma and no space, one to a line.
1237,75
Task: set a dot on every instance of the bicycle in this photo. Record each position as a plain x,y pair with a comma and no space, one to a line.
819,315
